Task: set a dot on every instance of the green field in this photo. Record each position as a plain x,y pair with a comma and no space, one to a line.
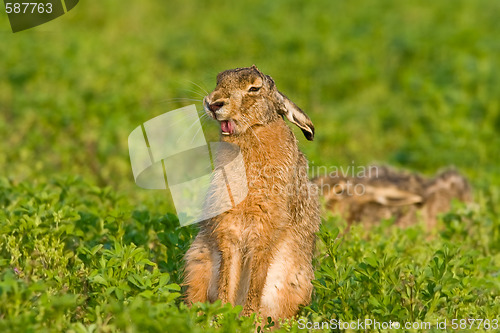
412,84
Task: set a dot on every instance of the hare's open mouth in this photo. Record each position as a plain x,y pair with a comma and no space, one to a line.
227,127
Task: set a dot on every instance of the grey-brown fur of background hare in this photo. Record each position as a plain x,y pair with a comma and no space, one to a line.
258,254
388,193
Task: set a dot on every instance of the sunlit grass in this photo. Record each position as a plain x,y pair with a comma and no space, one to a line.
412,84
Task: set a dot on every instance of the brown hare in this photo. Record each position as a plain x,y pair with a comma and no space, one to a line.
259,253
387,193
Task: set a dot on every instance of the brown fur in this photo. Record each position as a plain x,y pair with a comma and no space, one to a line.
259,254
388,193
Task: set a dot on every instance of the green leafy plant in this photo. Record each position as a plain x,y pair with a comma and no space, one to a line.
412,84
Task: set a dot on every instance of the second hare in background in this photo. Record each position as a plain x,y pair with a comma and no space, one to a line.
388,193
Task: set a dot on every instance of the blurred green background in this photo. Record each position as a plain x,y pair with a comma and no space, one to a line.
413,84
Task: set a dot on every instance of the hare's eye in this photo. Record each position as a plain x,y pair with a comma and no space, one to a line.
254,89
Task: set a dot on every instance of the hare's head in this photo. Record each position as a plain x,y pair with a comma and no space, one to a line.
246,98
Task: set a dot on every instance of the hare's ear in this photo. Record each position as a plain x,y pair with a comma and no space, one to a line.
295,115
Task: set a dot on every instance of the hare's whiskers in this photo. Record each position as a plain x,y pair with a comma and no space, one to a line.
195,135
179,99
186,132
196,84
197,93
180,118
251,129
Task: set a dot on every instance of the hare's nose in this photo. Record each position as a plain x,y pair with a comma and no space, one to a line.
216,106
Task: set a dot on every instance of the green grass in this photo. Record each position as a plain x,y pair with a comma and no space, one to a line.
412,84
